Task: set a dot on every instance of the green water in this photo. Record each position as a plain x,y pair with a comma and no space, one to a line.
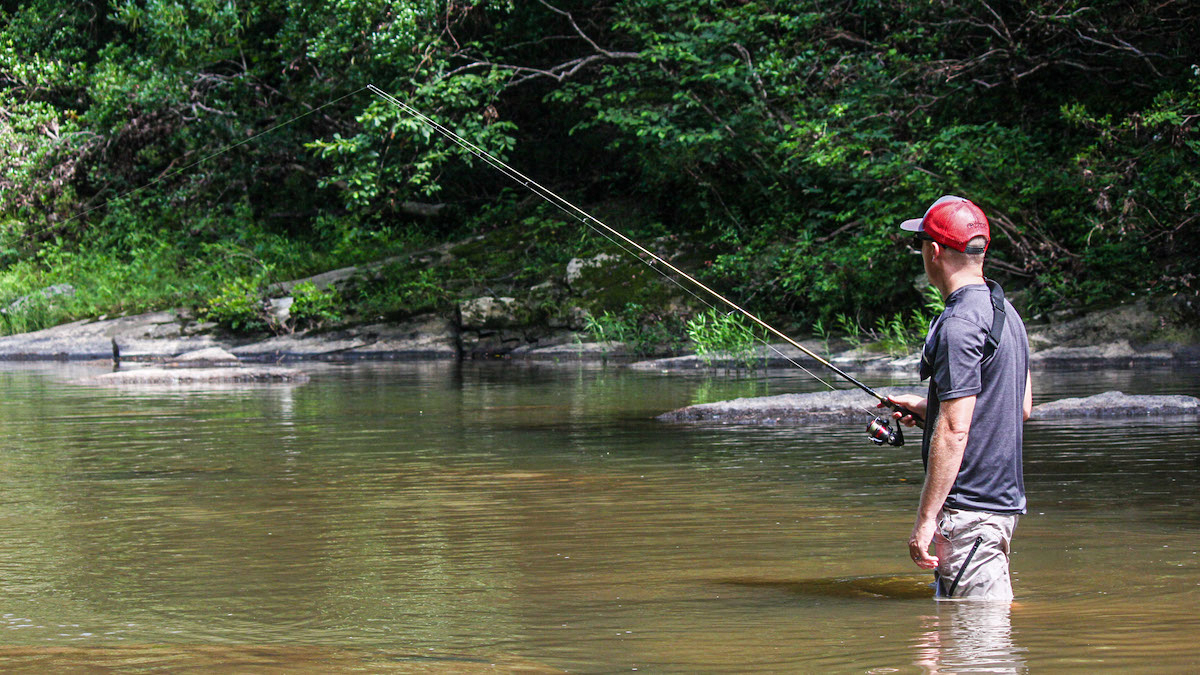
509,518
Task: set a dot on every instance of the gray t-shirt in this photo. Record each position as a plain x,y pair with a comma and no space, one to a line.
990,478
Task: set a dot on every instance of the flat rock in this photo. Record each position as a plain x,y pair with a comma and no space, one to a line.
1118,404
185,376
150,335
574,350
824,406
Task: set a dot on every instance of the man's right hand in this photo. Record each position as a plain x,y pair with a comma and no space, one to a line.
918,544
912,403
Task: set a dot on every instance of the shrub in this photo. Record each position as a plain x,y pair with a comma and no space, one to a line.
238,306
313,308
717,335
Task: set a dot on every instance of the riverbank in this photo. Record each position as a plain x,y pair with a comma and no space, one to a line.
1128,336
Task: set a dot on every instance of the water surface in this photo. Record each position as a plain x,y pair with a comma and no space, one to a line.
503,517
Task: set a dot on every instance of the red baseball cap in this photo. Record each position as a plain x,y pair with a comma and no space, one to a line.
953,221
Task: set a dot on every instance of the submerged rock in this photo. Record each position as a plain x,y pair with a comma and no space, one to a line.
1118,404
894,587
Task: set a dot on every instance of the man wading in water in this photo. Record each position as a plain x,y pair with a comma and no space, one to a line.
976,357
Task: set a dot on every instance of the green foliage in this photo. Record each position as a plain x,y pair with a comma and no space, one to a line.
242,306
935,304
314,308
32,312
400,291
851,329
897,336
610,328
822,331
782,140
642,332
718,336
238,306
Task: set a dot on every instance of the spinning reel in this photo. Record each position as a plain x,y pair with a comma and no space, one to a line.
882,433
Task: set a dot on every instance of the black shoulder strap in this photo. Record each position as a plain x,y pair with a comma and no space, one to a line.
997,329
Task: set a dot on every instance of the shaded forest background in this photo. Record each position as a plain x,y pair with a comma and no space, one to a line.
161,153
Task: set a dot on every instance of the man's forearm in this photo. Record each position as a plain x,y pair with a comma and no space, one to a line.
944,461
945,454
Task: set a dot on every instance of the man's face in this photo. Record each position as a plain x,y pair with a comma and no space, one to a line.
927,256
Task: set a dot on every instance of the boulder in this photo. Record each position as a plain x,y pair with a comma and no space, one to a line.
1112,354
824,406
1118,404
1127,323
782,355
280,310
574,350
205,356
577,266
491,312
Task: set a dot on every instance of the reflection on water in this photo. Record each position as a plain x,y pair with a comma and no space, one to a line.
430,517
969,637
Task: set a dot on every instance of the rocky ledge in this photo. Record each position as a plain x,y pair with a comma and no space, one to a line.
1131,336
159,336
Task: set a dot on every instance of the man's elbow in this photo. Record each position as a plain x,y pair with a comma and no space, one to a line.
958,437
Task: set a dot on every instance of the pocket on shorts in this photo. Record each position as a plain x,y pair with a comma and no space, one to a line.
945,525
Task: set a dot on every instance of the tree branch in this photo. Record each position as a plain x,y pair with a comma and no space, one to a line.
559,72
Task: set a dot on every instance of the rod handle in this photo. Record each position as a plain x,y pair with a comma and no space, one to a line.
896,407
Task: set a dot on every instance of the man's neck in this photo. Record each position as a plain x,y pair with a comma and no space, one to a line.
959,279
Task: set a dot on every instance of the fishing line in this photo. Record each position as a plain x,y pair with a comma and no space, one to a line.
625,243
879,430
629,246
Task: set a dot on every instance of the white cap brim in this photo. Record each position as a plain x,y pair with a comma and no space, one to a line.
914,224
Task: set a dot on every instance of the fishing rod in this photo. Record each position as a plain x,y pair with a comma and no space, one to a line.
879,430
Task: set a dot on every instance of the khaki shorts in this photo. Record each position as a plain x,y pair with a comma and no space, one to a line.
972,549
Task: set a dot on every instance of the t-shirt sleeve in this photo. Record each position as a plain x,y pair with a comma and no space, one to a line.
956,370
